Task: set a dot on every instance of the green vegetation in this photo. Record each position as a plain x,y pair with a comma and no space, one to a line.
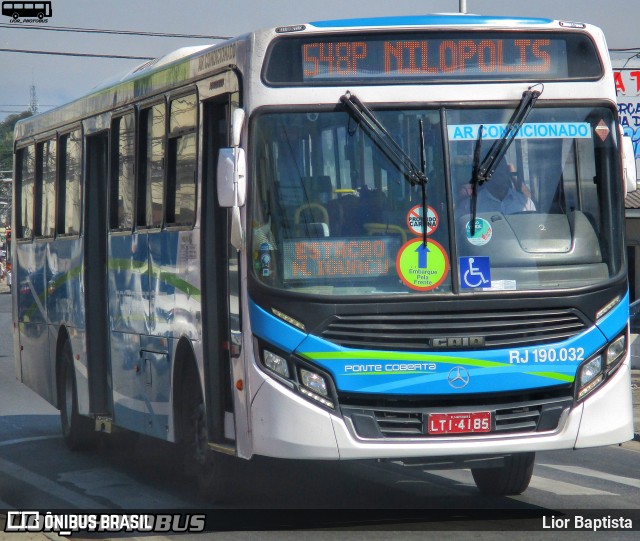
6,139
6,164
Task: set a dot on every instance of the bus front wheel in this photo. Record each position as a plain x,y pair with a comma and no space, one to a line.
508,480
77,430
210,471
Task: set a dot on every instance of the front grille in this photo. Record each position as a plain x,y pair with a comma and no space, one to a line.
415,332
409,423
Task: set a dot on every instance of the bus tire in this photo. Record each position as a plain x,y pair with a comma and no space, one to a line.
77,430
511,479
208,470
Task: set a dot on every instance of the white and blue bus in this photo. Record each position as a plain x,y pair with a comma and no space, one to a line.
393,238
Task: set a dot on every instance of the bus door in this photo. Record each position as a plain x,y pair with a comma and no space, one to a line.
95,273
220,279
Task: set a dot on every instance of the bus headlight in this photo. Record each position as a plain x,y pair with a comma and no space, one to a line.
596,370
315,382
590,376
616,350
315,386
276,363
299,375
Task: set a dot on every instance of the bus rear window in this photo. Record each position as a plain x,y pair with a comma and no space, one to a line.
432,57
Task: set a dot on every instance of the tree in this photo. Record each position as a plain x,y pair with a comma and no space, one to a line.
6,164
6,139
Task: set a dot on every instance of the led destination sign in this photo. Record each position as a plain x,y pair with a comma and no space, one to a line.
433,56
345,258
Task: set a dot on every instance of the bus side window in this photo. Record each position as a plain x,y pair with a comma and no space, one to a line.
123,180
151,166
45,188
69,198
181,174
26,190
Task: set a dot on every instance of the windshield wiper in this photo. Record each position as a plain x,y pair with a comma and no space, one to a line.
392,150
482,172
384,140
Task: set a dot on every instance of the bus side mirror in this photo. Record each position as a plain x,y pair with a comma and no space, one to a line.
232,177
237,121
629,165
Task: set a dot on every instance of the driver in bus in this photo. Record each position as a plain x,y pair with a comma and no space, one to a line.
504,192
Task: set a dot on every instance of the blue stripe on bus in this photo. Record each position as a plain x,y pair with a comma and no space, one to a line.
268,327
616,320
432,20
427,373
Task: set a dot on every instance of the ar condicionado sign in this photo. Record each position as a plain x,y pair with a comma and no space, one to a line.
304,259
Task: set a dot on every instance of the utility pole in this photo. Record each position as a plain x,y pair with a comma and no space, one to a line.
34,100
463,6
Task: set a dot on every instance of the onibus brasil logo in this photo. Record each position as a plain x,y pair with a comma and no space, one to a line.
27,12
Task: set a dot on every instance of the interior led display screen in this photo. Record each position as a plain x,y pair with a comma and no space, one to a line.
432,57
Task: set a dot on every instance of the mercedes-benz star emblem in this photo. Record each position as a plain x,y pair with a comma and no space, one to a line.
458,377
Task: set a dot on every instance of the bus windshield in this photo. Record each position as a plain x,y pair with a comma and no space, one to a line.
334,216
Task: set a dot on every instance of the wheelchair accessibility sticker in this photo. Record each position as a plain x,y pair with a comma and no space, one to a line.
475,272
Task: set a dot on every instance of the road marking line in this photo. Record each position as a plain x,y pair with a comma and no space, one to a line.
50,487
119,487
565,489
25,440
541,483
630,481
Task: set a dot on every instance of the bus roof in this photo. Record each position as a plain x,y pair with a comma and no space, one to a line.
190,63
436,20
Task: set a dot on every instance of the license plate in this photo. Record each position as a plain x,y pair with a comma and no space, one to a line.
459,423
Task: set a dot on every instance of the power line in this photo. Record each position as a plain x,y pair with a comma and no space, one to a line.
90,55
106,31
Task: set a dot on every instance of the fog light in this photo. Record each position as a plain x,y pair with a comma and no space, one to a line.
314,381
616,349
276,363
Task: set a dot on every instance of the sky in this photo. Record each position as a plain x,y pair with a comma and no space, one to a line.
59,79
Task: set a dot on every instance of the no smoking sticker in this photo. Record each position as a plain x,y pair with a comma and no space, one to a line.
422,267
414,220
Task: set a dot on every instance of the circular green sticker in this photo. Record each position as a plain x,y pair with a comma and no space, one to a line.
482,234
422,267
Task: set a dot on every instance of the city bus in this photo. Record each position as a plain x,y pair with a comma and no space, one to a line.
389,239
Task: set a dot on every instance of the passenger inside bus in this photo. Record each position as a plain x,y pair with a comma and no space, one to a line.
504,192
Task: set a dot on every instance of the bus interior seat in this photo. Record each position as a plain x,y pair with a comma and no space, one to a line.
311,220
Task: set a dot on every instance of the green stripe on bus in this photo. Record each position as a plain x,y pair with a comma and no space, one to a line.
395,356
553,375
